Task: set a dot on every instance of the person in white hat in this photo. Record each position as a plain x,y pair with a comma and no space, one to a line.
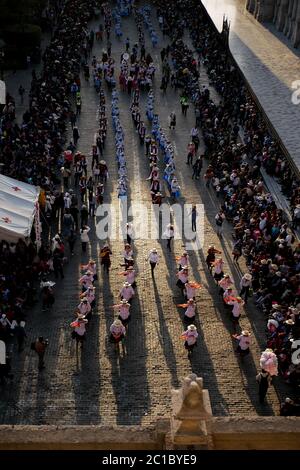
84,308
183,278
219,219
123,309
130,274
190,313
127,292
218,265
225,283
129,233
79,332
90,295
55,242
87,280
153,258
190,290
244,343
211,256
84,237
117,333
183,260
237,306
169,235
91,266
190,336
127,254
228,295
245,285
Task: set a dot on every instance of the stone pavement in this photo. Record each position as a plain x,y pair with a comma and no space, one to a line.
269,64
97,386
13,79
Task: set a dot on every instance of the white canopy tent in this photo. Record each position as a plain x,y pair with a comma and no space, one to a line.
18,205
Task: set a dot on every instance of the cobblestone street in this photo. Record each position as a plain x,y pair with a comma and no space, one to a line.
98,386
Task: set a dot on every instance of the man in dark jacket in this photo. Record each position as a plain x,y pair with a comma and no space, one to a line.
40,346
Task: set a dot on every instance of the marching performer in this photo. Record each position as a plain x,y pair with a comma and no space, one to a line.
237,305
117,333
90,295
228,296
225,283
123,309
84,308
91,266
130,274
87,280
190,313
244,341
127,292
182,278
127,254
183,260
190,290
153,258
211,256
190,336
79,332
218,265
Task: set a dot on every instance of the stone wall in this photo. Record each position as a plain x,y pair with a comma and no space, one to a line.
81,438
285,14
190,426
257,433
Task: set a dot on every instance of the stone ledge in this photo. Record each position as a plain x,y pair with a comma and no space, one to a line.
259,433
81,437
275,424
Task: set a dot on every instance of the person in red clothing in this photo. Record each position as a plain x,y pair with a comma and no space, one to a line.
209,175
40,346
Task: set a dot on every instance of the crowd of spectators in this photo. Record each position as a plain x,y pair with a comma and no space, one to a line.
237,145
32,151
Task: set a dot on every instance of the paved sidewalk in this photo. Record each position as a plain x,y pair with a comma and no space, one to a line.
269,64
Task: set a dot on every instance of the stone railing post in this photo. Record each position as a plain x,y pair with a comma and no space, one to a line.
191,415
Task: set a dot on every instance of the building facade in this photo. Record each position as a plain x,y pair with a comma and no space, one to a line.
285,14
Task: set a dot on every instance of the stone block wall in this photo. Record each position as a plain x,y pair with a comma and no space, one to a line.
285,14
257,433
191,425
